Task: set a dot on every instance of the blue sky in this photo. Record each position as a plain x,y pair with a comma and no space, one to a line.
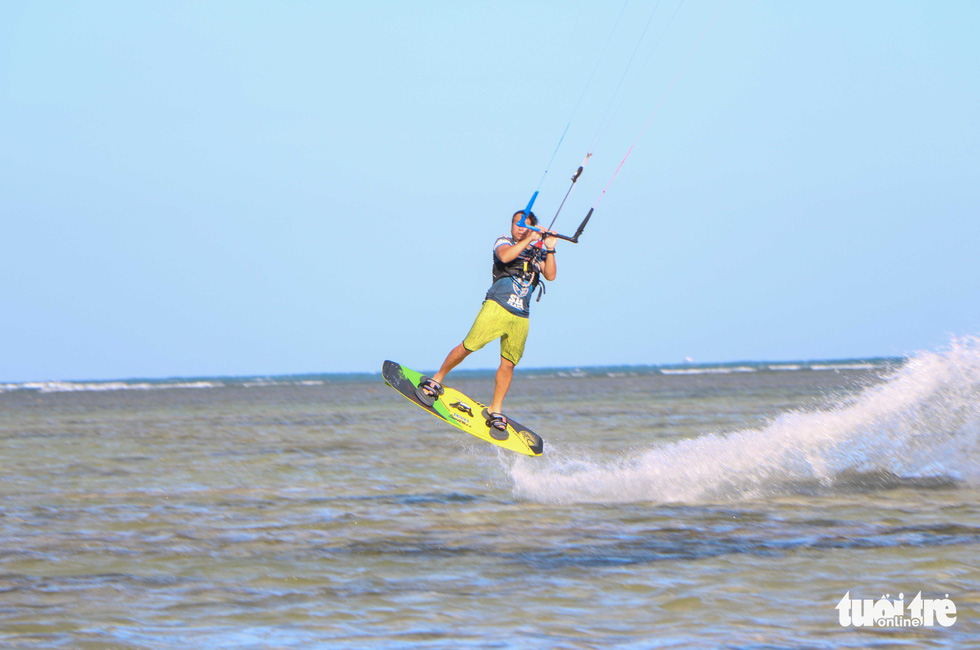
243,188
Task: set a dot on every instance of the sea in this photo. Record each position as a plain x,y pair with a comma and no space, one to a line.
811,504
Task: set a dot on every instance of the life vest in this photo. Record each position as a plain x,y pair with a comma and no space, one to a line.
521,268
518,267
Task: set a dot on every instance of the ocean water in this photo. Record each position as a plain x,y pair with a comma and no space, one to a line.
740,505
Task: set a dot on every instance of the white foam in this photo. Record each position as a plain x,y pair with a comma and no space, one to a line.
94,386
923,421
711,370
843,366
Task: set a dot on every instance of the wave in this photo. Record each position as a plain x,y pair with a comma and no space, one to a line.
919,425
95,386
878,364
100,386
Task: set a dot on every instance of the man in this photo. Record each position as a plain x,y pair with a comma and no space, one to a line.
519,261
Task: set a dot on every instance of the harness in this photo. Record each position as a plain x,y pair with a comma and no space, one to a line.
520,268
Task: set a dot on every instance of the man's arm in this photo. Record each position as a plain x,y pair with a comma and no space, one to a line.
550,269
509,252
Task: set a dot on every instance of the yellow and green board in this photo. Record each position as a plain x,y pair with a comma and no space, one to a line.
463,412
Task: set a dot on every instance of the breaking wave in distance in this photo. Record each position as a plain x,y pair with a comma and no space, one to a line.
918,426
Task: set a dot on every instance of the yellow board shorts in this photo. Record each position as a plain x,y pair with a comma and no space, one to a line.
494,322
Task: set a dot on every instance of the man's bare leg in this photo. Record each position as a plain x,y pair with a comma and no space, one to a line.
453,359
505,373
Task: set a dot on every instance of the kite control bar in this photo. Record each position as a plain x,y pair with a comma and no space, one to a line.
574,238
547,233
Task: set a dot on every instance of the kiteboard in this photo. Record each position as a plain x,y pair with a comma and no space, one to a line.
463,412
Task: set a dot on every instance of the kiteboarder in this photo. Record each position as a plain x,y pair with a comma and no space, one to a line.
520,261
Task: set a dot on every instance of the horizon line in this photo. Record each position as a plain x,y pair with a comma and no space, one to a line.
877,360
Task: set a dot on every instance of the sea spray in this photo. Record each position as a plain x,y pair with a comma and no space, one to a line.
917,425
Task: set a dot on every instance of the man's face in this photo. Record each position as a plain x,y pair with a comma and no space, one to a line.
516,231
